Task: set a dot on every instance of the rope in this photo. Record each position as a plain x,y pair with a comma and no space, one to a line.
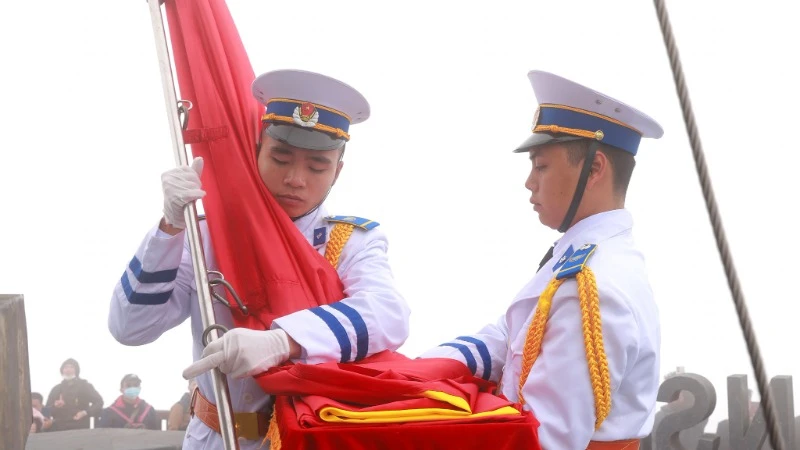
339,235
719,233
592,338
535,334
593,342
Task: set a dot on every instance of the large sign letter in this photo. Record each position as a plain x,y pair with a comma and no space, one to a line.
691,400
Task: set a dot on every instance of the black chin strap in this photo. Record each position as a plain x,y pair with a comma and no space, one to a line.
578,195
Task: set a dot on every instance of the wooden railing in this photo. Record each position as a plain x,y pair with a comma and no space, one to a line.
162,414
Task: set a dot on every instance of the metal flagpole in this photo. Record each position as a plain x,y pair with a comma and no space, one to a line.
224,408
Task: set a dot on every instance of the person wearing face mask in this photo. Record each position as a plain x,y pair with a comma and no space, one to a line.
74,400
129,410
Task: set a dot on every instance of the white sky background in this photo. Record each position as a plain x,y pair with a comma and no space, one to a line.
85,139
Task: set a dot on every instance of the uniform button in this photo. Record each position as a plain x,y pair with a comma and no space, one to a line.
248,398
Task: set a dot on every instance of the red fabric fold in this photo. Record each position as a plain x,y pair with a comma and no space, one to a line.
389,381
512,433
381,378
260,252
308,410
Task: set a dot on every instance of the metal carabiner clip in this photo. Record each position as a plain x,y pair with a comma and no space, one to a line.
221,281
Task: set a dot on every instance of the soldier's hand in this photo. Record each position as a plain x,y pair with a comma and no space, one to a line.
242,352
181,186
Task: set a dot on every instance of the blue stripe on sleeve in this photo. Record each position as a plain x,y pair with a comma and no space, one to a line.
137,298
483,351
162,276
471,363
362,335
338,331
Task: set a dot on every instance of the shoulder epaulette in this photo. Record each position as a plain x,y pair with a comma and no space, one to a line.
573,263
360,222
563,258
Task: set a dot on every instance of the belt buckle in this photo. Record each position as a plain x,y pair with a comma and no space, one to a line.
246,425
192,402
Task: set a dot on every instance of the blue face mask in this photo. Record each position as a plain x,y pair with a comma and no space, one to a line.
132,392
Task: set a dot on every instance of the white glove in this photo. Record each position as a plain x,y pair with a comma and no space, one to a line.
181,186
242,352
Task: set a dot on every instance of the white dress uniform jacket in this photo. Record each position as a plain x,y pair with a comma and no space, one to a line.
157,292
558,389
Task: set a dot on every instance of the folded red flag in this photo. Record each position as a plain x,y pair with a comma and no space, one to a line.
496,435
380,378
389,401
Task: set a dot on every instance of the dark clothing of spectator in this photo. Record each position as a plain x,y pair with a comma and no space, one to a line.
179,414
77,395
137,414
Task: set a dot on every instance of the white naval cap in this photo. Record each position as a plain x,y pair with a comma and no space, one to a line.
309,110
569,111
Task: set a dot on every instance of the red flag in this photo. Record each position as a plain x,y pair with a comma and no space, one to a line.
276,271
259,250
506,435
378,379
388,401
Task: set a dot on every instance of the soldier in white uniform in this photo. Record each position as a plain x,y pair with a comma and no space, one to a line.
299,164
579,345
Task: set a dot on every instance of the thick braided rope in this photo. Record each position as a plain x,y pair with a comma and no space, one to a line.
593,340
592,337
339,235
591,357
768,403
533,339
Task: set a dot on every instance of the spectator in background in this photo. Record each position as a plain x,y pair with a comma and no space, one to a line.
37,401
74,400
130,411
37,422
179,415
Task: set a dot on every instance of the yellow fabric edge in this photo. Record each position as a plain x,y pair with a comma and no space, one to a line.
458,402
338,415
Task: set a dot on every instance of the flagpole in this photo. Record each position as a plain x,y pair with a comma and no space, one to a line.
222,395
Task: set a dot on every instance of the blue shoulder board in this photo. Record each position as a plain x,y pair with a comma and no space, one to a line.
563,258
360,222
576,261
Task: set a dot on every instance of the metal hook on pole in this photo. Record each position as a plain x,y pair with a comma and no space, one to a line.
224,283
183,112
222,395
